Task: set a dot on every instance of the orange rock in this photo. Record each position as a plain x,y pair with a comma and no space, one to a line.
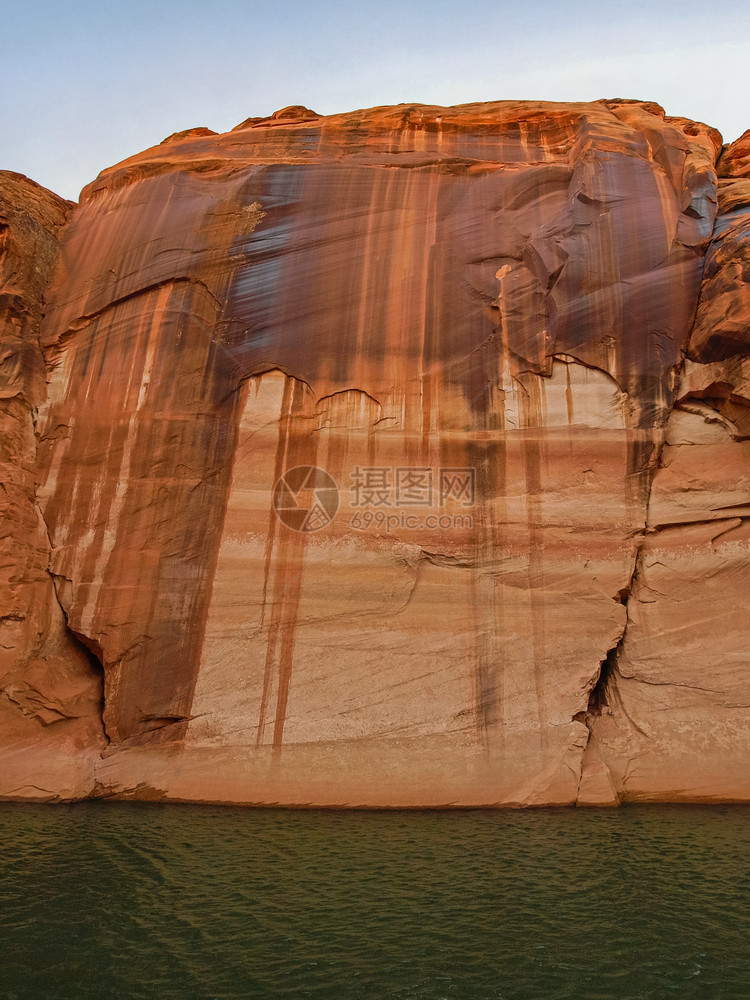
678,691
472,321
735,159
50,692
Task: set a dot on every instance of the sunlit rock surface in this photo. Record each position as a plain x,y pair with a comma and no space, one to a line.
50,690
517,576
675,719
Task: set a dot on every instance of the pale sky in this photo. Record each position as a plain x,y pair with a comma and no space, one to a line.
86,84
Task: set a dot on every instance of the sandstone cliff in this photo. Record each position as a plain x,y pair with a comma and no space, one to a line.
511,338
50,687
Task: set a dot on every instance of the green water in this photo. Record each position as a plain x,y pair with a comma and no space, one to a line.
158,901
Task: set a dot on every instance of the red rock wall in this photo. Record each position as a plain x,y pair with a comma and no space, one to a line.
50,690
510,289
674,722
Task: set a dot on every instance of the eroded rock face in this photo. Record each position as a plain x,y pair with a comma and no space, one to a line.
485,327
50,692
674,721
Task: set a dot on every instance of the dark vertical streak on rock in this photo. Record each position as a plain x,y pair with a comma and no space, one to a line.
533,458
284,569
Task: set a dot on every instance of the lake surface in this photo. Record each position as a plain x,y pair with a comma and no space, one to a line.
133,901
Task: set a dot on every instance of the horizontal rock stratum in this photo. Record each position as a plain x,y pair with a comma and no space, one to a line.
392,458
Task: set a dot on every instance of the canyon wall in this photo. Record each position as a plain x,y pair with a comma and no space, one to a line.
50,686
394,458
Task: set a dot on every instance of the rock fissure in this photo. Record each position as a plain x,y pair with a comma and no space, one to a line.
82,321
602,697
699,521
91,651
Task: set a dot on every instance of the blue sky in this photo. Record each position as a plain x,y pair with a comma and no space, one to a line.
86,84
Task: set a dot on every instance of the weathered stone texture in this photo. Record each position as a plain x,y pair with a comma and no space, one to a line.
543,294
50,693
